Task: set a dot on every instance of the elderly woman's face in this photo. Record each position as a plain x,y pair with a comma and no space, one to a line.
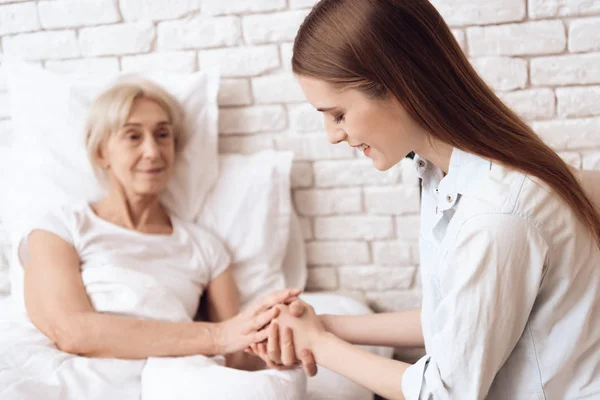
139,157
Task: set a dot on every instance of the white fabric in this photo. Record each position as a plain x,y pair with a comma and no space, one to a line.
511,288
19,384
47,166
148,276
249,210
133,273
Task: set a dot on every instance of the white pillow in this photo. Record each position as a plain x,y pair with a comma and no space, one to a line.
47,164
249,209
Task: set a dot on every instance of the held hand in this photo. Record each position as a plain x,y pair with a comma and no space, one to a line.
279,352
307,327
250,326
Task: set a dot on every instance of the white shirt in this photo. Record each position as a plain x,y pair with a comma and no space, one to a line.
511,288
131,273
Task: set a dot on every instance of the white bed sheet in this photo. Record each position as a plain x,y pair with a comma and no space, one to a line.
327,385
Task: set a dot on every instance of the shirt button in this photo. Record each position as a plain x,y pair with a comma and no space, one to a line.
449,198
421,163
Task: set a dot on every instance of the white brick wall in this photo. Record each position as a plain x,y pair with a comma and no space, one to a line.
360,225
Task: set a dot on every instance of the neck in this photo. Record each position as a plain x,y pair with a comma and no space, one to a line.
436,152
136,212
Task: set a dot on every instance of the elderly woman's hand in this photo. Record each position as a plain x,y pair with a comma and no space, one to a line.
251,325
280,351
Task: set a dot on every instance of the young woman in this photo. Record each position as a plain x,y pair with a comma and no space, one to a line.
510,259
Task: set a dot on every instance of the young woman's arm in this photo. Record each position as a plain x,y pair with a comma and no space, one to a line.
400,329
490,284
58,305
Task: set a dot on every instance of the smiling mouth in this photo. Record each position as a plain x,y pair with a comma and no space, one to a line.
153,171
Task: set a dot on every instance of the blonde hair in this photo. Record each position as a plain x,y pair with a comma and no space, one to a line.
111,109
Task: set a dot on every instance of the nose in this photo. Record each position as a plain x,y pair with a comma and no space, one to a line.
150,147
336,136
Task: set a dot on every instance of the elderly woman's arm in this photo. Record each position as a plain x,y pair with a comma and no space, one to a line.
58,305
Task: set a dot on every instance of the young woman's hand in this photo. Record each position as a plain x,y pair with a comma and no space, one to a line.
251,325
279,351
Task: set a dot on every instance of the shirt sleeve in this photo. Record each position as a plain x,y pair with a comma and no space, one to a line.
56,222
213,253
489,282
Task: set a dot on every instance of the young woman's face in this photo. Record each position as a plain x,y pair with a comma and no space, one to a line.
382,129
139,157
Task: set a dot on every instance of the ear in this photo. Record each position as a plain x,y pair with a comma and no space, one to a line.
101,158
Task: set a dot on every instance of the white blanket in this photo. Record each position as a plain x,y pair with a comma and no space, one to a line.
31,367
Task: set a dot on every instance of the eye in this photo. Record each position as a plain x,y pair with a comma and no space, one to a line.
165,134
339,118
132,136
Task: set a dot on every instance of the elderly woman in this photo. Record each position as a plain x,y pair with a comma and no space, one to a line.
129,241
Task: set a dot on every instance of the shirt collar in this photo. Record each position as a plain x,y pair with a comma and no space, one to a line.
462,170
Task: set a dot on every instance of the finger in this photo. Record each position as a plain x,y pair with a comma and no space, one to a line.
277,297
273,349
288,356
262,348
297,308
261,336
261,320
291,300
308,362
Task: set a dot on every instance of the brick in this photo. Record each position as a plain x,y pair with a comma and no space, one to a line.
280,88
235,92
301,175
322,278
392,200
16,18
77,13
571,158
199,32
157,10
272,28
532,104
408,172
305,118
350,173
584,35
396,300
591,160
6,132
353,227
251,119
217,7
570,134
4,106
242,61
562,8
50,45
312,147
337,253
127,38
576,69
394,253
502,73
287,51
459,35
376,278
538,37
105,65
469,12
328,202
294,4
306,227
171,62
578,101
245,144
407,227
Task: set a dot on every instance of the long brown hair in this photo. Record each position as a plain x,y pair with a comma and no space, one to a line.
405,48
